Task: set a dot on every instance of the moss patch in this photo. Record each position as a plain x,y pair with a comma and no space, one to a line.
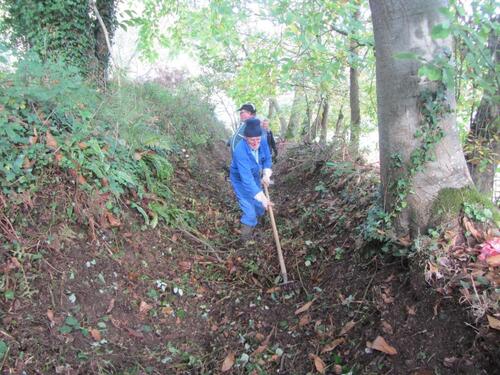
450,202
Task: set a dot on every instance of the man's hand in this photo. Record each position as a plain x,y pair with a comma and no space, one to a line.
266,177
261,197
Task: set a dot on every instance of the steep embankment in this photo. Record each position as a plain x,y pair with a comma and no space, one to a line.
131,299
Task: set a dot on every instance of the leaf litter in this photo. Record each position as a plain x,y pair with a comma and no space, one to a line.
232,316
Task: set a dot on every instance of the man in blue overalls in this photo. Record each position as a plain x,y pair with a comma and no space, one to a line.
249,158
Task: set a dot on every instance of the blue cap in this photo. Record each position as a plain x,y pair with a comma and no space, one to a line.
252,128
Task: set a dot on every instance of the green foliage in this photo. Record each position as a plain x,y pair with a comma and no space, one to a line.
60,30
116,144
450,202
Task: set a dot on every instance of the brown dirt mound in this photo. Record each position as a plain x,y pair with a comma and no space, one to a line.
135,300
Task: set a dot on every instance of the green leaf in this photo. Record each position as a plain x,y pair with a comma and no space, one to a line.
65,329
440,31
431,72
71,321
141,211
9,294
3,348
406,56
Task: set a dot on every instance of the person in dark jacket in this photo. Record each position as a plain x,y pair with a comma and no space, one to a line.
270,138
249,159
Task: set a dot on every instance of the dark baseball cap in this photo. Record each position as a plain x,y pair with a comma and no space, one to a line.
248,107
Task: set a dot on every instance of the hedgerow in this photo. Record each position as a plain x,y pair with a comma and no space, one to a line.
119,145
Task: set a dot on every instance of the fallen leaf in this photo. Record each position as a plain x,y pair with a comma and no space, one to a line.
185,265
113,221
96,335
382,346
318,363
331,346
405,241
27,164
493,322
387,328
33,139
259,337
449,361
470,227
50,315
50,141
167,310
387,298
347,327
82,145
228,362
337,369
144,307
273,289
134,333
263,346
305,307
305,320
58,156
493,261
110,306
411,310
81,180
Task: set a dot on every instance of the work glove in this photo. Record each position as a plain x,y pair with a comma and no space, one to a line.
266,177
261,197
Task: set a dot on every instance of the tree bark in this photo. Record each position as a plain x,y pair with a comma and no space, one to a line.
273,103
338,124
399,26
354,98
317,121
104,31
293,122
324,121
482,142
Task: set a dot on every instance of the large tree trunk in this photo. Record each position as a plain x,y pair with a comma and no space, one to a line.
324,121
405,25
107,11
482,143
274,107
354,99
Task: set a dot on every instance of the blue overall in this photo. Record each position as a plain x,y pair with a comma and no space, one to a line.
245,178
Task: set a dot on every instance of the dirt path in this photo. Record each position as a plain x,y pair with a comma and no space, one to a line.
170,301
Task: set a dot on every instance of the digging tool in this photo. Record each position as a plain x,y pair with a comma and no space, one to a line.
284,274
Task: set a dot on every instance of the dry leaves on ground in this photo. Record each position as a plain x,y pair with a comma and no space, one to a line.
228,362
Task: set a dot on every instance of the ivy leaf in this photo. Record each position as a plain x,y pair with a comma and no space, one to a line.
431,72
406,56
3,348
440,31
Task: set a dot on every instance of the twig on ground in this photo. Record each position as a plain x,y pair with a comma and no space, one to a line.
364,294
192,236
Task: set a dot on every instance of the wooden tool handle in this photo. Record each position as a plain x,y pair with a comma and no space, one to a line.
276,239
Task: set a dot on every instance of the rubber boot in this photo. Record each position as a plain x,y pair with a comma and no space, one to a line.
246,233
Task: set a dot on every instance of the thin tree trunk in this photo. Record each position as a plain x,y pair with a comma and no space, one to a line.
354,98
293,122
405,25
104,11
306,124
324,121
482,143
317,121
338,124
273,103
